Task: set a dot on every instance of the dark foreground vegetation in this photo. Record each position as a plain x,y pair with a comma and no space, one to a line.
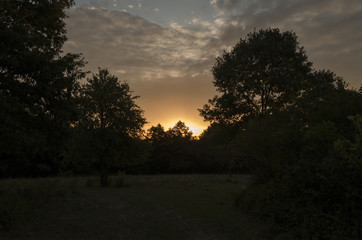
296,129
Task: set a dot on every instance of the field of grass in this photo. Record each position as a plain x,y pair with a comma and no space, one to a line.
146,207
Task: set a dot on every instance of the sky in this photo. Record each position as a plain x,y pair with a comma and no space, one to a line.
165,49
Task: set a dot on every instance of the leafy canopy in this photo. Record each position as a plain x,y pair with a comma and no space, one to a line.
37,85
263,73
109,104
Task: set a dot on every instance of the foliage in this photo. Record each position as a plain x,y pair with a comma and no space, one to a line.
109,104
319,195
316,192
218,152
267,146
293,132
109,125
328,99
172,151
37,86
263,73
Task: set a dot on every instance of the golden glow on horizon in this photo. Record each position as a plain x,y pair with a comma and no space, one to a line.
194,128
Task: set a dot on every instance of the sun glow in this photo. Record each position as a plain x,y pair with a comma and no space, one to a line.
194,128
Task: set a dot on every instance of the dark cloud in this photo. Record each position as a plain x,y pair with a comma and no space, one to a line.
132,45
225,5
329,29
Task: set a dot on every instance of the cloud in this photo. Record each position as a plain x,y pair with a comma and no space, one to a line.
119,39
329,29
168,67
225,5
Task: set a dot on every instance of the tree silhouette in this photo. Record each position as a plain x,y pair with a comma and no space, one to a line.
171,150
112,119
37,86
156,133
263,73
180,130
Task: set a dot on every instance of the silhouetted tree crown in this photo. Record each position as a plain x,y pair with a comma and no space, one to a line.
180,130
263,73
172,150
112,120
37,85
156,133
109,104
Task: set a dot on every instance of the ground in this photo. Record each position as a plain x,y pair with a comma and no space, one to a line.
145,207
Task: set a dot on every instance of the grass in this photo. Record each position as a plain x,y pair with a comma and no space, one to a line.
148,207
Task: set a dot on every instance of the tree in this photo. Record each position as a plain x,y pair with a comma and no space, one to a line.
215,142
180,131
159,159
263,73
327,98
37,87
171,150
112,120
294,132
156,133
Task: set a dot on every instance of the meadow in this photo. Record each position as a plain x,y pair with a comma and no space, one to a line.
134,207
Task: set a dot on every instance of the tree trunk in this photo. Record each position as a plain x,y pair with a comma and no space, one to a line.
104,180
103,174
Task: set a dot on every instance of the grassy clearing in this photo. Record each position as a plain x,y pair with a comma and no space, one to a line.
148,207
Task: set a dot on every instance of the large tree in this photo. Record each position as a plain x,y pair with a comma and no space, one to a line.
111,118
37,86
263,73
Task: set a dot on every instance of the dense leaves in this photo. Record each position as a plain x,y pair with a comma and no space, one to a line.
297,130
37,86
110,122
173,151
263,73
108,104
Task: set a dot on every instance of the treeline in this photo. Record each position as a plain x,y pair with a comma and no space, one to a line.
176,150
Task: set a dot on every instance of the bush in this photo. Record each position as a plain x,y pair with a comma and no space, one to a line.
319,196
